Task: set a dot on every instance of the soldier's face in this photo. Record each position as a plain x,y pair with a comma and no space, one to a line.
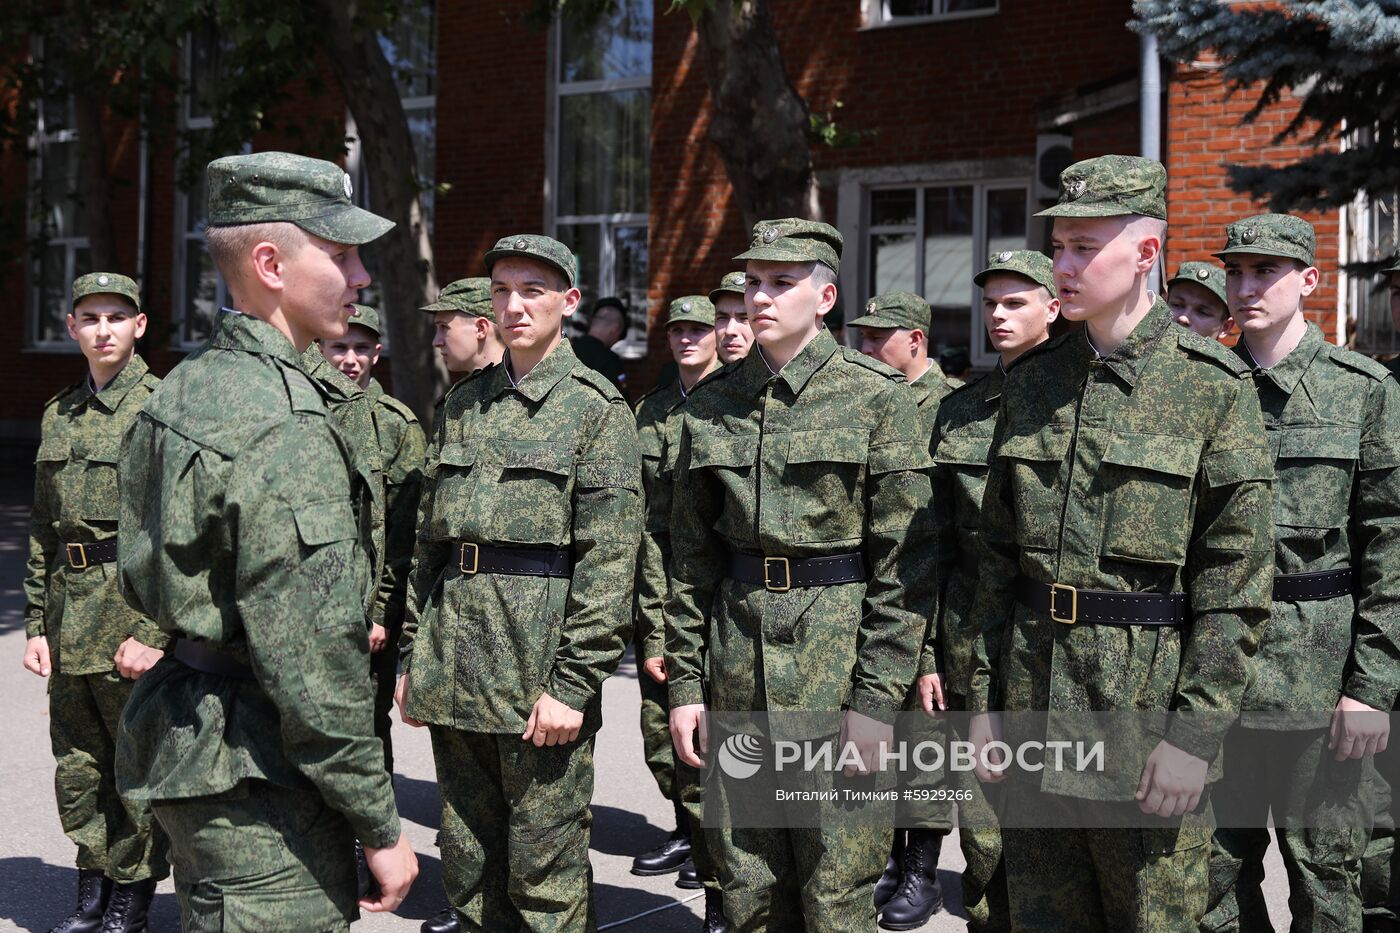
320,283
530,300
1197,308
1099,264
898,347
354,354
692,345
455,337
733,334
1017,313
786,301
106,328
1265,292
1395,299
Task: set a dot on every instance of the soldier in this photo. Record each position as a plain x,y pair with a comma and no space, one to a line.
1129,458
1329,655
733,335
607,324
80,632
1196,295
465,331
894,330
401,448
797,475
519,602
690,332
241,533
956,363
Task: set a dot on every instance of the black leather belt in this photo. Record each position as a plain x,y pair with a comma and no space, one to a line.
517,561
780,574
1070,605
208,661
1319,584
82,556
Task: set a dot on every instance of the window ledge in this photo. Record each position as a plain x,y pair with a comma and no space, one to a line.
927,20
52,349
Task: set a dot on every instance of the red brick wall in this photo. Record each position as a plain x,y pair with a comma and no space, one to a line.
1203,135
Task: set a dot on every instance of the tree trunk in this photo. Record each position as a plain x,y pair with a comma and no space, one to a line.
405,253
760,123
94,193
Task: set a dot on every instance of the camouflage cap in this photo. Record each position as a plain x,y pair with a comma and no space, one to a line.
265,187
1205,274
366,317
1027,263
1271,235
696,309
1112,186
469,296
732,284
534,246
896,309
793,239
1393,267
106,283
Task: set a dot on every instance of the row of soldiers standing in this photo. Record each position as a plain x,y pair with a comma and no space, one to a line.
246,552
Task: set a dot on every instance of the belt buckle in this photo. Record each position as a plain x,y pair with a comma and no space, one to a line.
73,563
768,583
1073,617
462,558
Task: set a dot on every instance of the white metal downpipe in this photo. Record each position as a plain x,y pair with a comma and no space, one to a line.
1150,140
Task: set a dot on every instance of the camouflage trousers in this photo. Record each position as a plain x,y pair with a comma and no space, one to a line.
1293,773
1380,893
515,831
384,671
114,835
261,859
656,732
1115,880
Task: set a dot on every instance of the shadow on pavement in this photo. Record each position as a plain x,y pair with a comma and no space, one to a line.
621,832
616,903
419,801
37,895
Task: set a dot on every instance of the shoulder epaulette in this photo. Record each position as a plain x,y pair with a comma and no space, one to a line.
1359,362
872,364
58,396
398,408
150,380
597,381
1049,346
962,389
1211,349
304,393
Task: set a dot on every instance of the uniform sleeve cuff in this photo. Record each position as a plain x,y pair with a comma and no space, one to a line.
685,694
572,697
151,635
1193,738
1373,693
875,705
34,627
381,835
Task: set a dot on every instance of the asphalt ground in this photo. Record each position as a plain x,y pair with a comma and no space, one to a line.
38,880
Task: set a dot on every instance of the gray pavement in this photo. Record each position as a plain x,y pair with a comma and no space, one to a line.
37,878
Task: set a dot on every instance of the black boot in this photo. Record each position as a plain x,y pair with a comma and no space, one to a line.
127,909
671,854
444,921
919,896
714,913
688,877
889,881
94,890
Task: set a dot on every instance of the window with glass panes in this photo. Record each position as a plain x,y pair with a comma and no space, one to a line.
891,12
57,224
1375,234
932,239
602,133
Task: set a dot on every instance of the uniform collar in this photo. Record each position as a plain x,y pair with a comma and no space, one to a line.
800,369
234,330
992,383
315,365
374,390
111,395
538,382
1130,357
928,378
1289,371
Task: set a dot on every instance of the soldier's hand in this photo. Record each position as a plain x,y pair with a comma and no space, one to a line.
686,721
656,667
134,659
378,638
36,656
1172,781
982,730
401,700
931,696
870,737
1358,730
394,868
552,723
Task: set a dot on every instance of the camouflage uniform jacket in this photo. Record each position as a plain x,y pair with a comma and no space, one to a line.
930,389
402,448
823,458
75,502
1333,421
962,442
549,463
654,421
1143,471
238,530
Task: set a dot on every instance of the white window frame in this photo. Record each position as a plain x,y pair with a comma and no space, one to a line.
634,345
71,244
853,208
1354,293
875,14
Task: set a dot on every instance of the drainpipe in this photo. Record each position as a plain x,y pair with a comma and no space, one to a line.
1150,96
